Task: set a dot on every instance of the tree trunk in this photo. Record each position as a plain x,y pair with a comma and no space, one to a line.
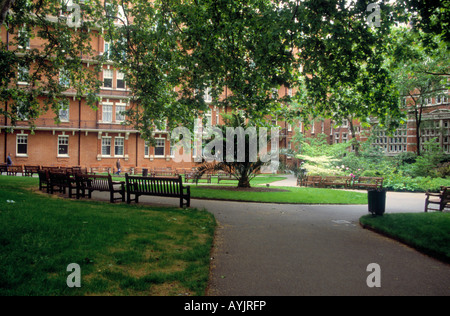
5,5
244,181
354,140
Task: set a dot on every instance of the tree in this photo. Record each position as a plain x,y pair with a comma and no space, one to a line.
35,79
413,68
230,156
431,18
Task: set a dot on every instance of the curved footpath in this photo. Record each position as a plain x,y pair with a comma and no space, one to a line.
295,250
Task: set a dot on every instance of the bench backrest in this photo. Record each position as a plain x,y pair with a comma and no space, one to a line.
370,179
338,178
43,175
96,182
32,168
169,186
446,194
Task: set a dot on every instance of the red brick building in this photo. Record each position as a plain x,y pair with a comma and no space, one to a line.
97,138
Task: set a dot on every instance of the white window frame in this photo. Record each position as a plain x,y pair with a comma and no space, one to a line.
146,149
62,116
120,76
117,146
23,32
107,112
22,71
21,139
21,116
107,49
106,142
207,97
108,74
158,140
64,79
120,107
66,139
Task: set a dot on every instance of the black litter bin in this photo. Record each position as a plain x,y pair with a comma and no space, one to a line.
377,201
144,172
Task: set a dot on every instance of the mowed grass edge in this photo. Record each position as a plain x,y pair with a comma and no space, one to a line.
288,195
426,232
121,249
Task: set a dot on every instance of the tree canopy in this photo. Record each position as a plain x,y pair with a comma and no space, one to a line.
175,52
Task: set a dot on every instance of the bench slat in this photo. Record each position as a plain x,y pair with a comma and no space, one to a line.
156,186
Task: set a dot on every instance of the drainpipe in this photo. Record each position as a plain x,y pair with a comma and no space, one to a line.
79,132
6,105
137,147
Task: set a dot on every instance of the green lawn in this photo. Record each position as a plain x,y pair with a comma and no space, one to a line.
427,232
121,249
293,195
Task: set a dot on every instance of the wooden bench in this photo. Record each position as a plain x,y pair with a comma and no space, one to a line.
193,176
336,181
61,181
3,168
28,171
44,180
442,199
313,181
14,170
157,186
164,174
368,183
225,176
101,183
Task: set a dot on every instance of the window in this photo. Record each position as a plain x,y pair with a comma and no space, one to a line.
22,145
107,78
64,78
207,96
160,147
120,80
22,111
23,38
64,113
107,113
146,149
344,137
172,150
118,146
208,119
23,74
106,146
63,145
107,50
344,123
120,115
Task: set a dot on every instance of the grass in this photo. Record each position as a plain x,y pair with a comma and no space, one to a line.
427,232
292,195
121,249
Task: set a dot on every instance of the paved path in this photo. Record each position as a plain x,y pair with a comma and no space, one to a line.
294,250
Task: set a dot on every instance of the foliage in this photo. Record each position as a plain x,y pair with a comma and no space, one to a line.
348,78
230,157
28,73
415,70
404,172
